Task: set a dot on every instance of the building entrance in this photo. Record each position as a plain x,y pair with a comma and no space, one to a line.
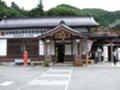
60,53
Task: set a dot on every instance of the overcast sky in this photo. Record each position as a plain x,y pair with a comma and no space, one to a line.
110,5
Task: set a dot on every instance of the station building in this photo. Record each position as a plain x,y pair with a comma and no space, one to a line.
59,39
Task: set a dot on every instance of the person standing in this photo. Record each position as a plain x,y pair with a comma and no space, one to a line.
96,57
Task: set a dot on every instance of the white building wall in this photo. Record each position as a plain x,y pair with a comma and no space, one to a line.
52,47
3,47
105,52
74,48
41,47
68,49
119,54
84,47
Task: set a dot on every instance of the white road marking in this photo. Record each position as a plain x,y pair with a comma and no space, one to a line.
32,80
48,82
54,81
50,78
66,88
55,75
59,70
6,83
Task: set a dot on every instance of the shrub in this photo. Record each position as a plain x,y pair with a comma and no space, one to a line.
46,62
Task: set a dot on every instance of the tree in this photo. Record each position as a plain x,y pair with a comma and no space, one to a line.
40,6
16,10
38,11
104,18
65,10
4,9
15,6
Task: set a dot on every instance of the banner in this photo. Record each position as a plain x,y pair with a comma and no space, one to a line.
89,45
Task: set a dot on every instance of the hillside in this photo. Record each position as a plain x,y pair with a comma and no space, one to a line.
104,18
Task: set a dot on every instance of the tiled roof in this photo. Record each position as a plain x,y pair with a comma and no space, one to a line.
46,22
60,27
99,36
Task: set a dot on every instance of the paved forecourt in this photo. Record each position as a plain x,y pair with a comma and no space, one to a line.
93,77
54,79
14,77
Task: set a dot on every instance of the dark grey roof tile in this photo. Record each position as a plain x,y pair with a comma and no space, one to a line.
50,21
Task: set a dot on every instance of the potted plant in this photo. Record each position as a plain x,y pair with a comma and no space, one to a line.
46,63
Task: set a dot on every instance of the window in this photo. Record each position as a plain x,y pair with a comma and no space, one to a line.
17,46
68,49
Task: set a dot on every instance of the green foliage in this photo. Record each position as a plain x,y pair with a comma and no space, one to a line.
14,6
14,10
65,10
116,28
38,11
104,18
3,9
46,63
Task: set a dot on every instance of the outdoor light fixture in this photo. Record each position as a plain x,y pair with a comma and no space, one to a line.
77,40
47,40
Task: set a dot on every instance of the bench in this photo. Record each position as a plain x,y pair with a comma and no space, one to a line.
36,62
19,61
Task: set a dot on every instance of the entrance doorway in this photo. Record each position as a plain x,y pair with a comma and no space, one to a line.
60,53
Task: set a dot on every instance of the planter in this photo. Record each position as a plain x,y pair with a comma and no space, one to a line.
77,62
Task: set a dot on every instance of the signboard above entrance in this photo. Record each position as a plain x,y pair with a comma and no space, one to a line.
62,35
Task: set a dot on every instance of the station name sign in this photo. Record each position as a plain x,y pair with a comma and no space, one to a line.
19,36
23,35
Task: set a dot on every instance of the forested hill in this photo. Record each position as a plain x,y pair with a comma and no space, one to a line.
104,18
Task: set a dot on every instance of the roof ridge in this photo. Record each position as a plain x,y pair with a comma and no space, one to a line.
40,17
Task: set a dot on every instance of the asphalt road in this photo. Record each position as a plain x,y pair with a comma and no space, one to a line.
92,77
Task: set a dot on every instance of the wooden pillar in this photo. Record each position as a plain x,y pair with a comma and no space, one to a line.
55,51
111,51
77,54
47,54
87,54
46,48
71,46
